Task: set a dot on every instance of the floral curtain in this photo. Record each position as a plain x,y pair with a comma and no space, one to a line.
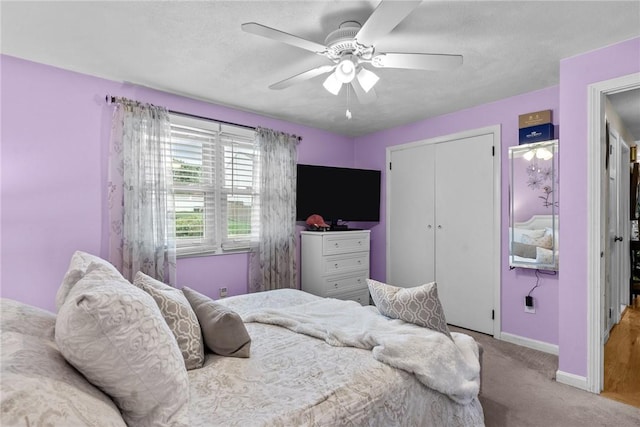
273,255
141,207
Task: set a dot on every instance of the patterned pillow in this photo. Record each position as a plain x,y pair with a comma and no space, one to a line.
77,269
545,241
419,305
180,317
116,337
544,256
223,329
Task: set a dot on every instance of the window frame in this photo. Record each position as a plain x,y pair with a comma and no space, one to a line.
216,240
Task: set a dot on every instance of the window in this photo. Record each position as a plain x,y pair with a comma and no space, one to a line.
215,169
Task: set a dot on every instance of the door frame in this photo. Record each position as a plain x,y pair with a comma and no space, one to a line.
595,268
495,131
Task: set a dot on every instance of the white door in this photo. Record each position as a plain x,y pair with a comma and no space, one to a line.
625,224
440,204
612,300
464,231
411,216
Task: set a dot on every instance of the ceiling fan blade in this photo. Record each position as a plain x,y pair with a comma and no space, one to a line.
385,18
363,97
309,74
417,61
281,36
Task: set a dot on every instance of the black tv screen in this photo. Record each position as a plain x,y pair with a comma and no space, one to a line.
338,193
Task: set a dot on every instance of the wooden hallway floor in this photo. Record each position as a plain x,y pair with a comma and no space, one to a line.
622,358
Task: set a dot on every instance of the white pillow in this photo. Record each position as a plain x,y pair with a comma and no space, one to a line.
544,256
545,241
114,334
77,269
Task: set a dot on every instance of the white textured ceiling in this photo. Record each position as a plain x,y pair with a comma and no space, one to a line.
197,49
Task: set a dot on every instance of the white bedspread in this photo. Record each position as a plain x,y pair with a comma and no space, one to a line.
450,367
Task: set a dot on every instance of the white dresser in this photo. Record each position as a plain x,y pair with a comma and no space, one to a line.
336,264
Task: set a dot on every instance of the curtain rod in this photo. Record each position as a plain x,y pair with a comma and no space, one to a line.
115,99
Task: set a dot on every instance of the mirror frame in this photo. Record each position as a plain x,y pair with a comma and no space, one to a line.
541,221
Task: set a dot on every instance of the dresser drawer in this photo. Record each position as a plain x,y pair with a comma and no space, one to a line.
361,297
341,243
339,284
344,263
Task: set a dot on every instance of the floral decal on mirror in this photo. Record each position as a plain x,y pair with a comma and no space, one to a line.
539,177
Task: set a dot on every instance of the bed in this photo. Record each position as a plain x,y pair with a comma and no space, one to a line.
294,379
290,378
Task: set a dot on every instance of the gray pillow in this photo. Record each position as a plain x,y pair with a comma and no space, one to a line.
114,334
223,329
179,315
420,305
523,250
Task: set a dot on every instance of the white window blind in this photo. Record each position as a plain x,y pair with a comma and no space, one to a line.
215,169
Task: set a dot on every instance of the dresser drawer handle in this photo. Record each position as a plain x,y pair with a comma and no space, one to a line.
359,242
359,280
359,261
336,244
335,265
335,285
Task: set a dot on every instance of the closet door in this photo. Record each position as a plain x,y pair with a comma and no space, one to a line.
410,195
464,201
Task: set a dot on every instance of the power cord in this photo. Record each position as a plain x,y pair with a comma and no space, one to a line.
538,272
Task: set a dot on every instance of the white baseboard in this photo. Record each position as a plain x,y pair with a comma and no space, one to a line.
530,343
573,380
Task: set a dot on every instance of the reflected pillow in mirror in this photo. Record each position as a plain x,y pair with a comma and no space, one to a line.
544,256
545,241
523,250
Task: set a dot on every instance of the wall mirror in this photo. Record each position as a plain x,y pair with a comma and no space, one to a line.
533,206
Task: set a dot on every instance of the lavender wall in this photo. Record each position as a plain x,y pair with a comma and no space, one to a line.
55,132
576,74
515,284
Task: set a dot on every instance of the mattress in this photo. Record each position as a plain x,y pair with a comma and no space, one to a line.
294,380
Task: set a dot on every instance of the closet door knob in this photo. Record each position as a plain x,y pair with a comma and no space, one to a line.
439,227
429,227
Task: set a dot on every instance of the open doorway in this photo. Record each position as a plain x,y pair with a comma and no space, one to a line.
607,266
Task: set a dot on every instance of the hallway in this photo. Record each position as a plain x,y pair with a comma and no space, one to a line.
622,359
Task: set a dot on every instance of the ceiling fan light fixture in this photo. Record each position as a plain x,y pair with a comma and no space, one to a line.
345,70
332,84
367,79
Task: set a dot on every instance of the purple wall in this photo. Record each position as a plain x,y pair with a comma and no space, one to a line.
515,284
55,133
576,74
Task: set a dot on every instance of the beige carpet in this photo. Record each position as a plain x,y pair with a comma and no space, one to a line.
519,390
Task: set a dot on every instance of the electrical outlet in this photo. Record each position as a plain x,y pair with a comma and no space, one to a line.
529,307
223,292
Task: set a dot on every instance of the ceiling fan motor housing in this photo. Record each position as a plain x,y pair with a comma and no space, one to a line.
342,41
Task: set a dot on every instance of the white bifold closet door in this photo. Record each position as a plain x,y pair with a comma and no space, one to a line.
441,225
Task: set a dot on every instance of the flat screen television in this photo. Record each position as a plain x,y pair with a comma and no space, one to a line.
335,193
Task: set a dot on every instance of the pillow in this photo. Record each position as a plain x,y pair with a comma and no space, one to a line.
223,329
419,305
179,315
77,268
116,337
544,256
523,250
545,241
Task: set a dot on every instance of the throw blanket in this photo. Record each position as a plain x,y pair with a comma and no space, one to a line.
450,367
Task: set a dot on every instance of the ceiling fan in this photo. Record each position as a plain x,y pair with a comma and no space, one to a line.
352,46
